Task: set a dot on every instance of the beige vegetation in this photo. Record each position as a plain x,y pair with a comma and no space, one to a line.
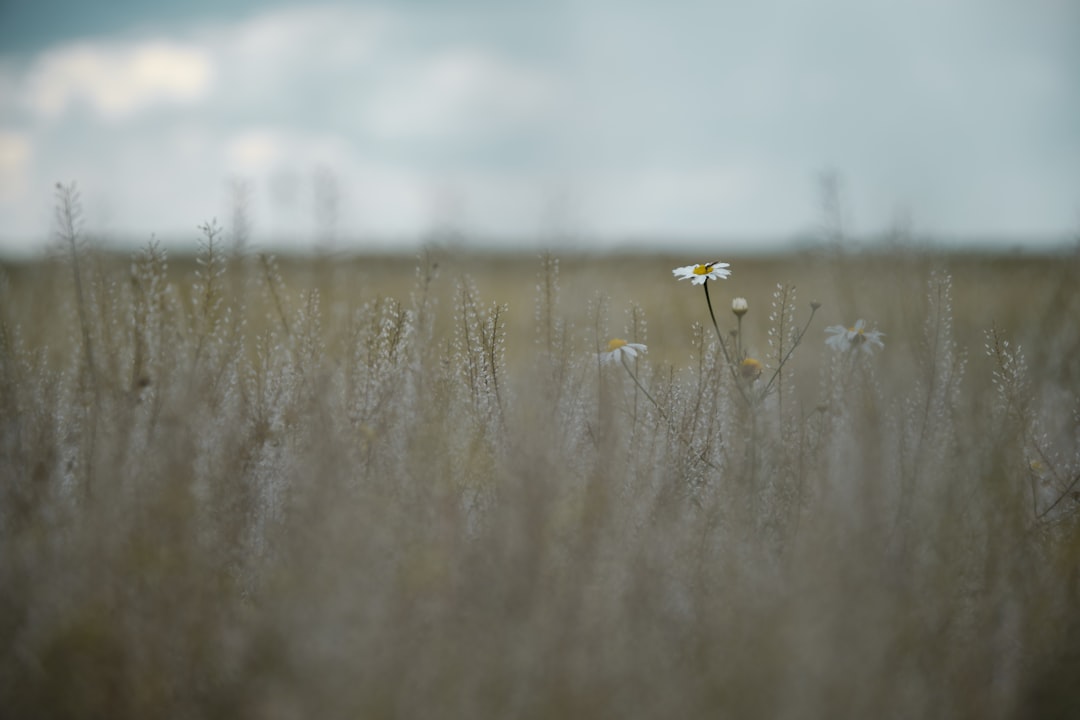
405,487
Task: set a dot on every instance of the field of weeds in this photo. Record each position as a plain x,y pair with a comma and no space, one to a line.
242,487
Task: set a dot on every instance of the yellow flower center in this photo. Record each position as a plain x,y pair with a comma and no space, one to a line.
750,368
703,269
615,344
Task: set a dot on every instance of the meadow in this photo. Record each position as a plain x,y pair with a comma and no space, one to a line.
241,486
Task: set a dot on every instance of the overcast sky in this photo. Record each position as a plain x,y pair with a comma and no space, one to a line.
620,120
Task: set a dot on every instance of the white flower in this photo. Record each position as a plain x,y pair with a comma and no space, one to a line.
618,349
698,274
856,336
739,306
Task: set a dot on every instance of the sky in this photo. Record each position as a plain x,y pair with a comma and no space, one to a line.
613,123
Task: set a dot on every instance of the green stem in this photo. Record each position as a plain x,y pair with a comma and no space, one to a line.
719,335
720,338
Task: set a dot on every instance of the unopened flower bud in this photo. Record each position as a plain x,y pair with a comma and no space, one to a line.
739,306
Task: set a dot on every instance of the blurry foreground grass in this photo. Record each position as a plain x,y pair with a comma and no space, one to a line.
402,487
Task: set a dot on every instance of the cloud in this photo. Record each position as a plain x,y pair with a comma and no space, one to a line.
463,91
706,121
301,64
309,36
254,151
16,152
118,80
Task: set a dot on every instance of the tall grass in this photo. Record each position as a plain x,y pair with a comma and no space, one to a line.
243,488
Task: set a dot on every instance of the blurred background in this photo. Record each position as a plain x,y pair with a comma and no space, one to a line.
376,126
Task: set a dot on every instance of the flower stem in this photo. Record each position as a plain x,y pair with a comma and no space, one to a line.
712,315
740,354
727,356
642,387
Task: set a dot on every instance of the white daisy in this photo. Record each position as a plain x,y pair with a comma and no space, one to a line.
617,349
698,274
856,336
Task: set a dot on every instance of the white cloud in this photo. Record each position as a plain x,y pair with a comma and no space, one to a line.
261,150
117,80
254,151
709,120
320,35
16,152
461,91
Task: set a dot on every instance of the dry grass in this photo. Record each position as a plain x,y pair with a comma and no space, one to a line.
390,487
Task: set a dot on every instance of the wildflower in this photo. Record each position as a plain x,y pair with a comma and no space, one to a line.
750,369
739,306
618,349
698,274
856,336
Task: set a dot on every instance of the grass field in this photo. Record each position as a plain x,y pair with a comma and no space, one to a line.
369,487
